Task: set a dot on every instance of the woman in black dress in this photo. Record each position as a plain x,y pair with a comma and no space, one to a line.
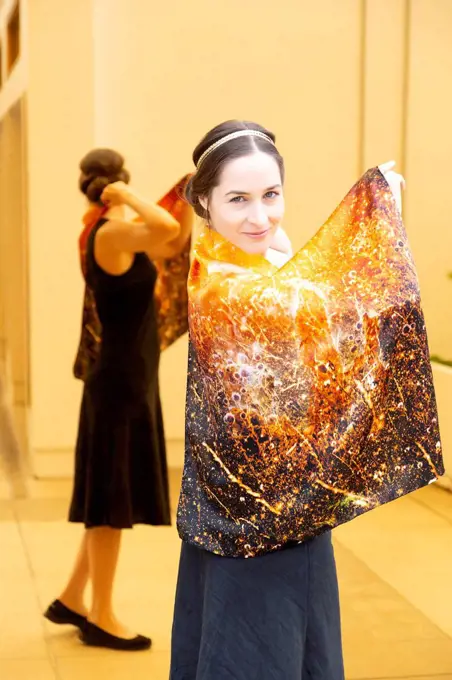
120,472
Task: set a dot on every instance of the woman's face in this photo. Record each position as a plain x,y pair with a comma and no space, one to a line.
247,206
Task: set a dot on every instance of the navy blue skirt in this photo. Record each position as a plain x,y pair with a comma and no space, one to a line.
274,617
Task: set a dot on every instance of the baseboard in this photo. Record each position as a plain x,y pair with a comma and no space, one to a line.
59,463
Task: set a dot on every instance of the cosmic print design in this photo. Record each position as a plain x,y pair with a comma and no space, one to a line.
310,397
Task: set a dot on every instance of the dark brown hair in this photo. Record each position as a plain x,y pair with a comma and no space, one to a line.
99,168
207,176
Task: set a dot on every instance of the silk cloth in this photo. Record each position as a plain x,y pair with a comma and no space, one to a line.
310,396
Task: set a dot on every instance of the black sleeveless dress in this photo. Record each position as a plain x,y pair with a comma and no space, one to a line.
121,475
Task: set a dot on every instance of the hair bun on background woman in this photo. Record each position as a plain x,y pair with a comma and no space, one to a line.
99,168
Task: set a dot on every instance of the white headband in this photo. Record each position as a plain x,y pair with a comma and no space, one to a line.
233,135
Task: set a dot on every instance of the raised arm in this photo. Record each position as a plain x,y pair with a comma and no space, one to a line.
122,237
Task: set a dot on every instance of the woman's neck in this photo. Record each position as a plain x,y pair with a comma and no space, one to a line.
115,212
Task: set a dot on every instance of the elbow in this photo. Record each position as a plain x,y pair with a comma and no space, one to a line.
177,246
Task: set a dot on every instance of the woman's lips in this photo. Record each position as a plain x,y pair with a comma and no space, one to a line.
256,234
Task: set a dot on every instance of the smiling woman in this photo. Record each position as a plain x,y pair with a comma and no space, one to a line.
308,397
248,217
239,191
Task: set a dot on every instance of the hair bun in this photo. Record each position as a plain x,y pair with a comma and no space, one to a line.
99,168
95,188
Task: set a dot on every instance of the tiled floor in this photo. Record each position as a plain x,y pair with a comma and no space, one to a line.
395,569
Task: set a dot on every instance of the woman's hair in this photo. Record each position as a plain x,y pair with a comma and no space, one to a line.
99,168
208,172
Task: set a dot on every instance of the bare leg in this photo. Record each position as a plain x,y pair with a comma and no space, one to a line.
103,551
73,595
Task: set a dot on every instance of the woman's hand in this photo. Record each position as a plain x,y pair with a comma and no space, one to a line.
395,181
115,194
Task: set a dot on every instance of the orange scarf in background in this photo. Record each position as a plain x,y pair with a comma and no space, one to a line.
170,289
310,396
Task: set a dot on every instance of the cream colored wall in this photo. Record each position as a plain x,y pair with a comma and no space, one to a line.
60,128
384,82
13,228
428,162
14,258
345,84
14,85
14,338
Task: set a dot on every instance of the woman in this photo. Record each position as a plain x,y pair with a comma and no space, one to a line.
120,472
309,401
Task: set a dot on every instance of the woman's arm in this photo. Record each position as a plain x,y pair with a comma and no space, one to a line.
158,227
177,245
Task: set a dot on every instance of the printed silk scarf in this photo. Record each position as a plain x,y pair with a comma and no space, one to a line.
310,397
170,290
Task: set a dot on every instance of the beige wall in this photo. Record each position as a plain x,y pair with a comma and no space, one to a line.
384,79
345,84
429,162
14,258
16,84
14,301
60,128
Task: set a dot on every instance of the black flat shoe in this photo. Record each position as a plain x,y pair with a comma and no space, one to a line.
61,615
93,636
